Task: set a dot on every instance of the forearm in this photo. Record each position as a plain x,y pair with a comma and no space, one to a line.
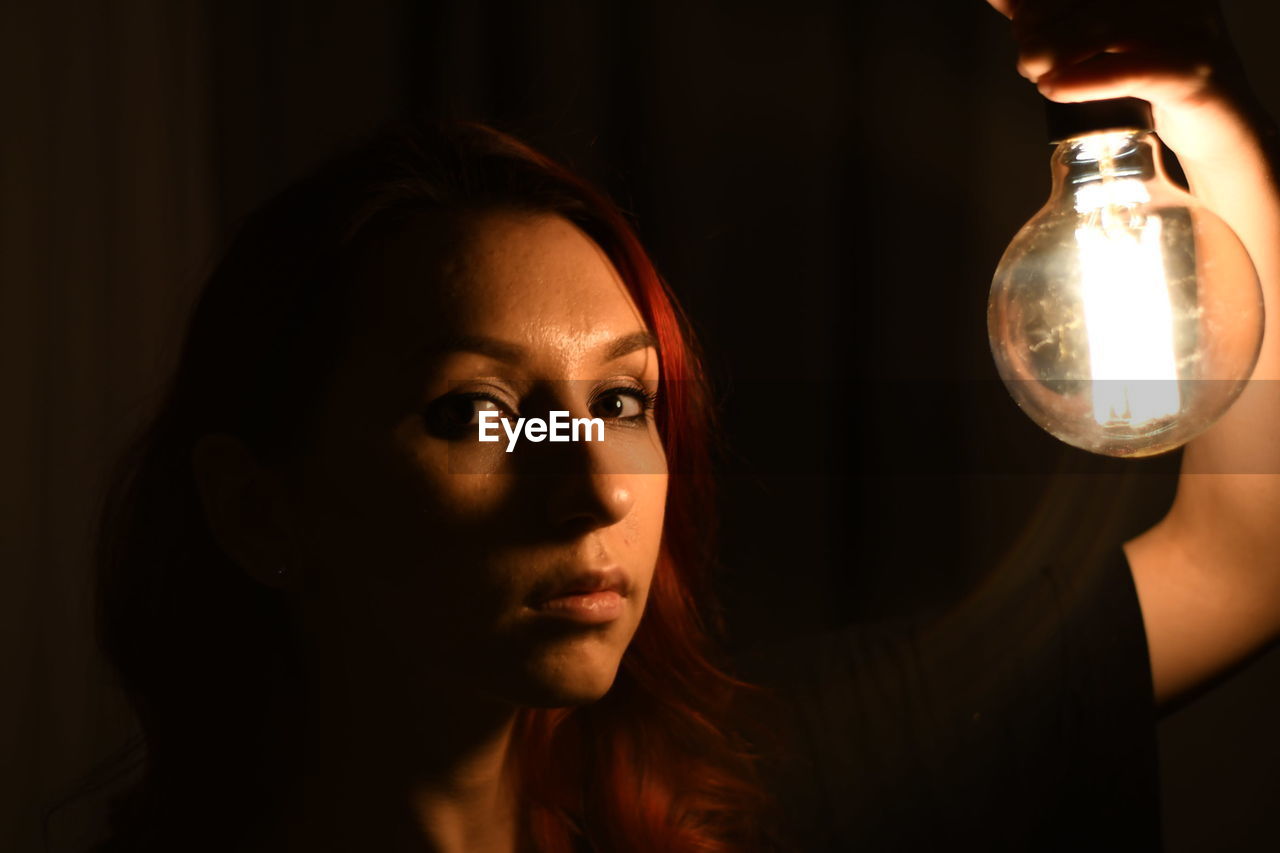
1230,478
1219,545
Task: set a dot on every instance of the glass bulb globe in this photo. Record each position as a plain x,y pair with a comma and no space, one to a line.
1125,317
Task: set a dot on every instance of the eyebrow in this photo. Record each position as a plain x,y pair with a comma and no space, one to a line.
509,352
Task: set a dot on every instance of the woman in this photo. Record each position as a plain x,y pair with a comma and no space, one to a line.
331,604
312,521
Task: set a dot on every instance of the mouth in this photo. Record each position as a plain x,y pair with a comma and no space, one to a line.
591,597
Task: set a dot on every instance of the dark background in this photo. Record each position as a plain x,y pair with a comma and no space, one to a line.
827,185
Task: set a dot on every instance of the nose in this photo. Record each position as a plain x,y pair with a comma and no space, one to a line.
584,485
581,501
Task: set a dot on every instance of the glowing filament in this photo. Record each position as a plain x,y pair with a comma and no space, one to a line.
1128,317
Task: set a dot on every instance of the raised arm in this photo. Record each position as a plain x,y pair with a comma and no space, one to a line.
1208,574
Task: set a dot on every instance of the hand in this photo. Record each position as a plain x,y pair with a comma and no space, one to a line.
1176,54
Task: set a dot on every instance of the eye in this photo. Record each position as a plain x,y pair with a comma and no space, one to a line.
456,415
623,403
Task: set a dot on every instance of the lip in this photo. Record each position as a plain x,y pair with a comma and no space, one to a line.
593,596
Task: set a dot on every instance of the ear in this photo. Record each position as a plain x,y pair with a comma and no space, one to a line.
243,506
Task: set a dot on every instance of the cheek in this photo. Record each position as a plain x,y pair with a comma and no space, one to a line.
643,525
395,510
400,560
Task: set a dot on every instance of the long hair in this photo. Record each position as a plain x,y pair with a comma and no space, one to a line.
197,644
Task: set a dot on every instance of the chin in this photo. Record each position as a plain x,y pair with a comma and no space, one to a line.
562,696
568,679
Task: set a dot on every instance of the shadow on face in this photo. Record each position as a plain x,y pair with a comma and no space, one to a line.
427,552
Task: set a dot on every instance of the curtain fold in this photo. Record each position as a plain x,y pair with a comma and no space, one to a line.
105,226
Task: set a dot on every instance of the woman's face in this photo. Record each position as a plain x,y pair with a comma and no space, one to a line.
427,554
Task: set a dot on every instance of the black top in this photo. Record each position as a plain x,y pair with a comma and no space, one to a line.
1022,719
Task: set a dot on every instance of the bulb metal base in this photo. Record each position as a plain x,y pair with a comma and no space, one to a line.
1066,121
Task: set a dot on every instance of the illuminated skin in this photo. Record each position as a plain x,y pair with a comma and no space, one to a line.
414,549
1208,574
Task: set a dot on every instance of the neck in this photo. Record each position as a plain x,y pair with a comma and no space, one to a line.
381,772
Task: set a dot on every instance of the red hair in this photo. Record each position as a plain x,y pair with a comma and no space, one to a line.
653,765
667,774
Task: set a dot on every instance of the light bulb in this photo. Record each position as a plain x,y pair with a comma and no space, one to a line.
1125,317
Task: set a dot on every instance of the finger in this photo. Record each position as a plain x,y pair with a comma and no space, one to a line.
1052,34
1163,80
1060,32
1038,57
